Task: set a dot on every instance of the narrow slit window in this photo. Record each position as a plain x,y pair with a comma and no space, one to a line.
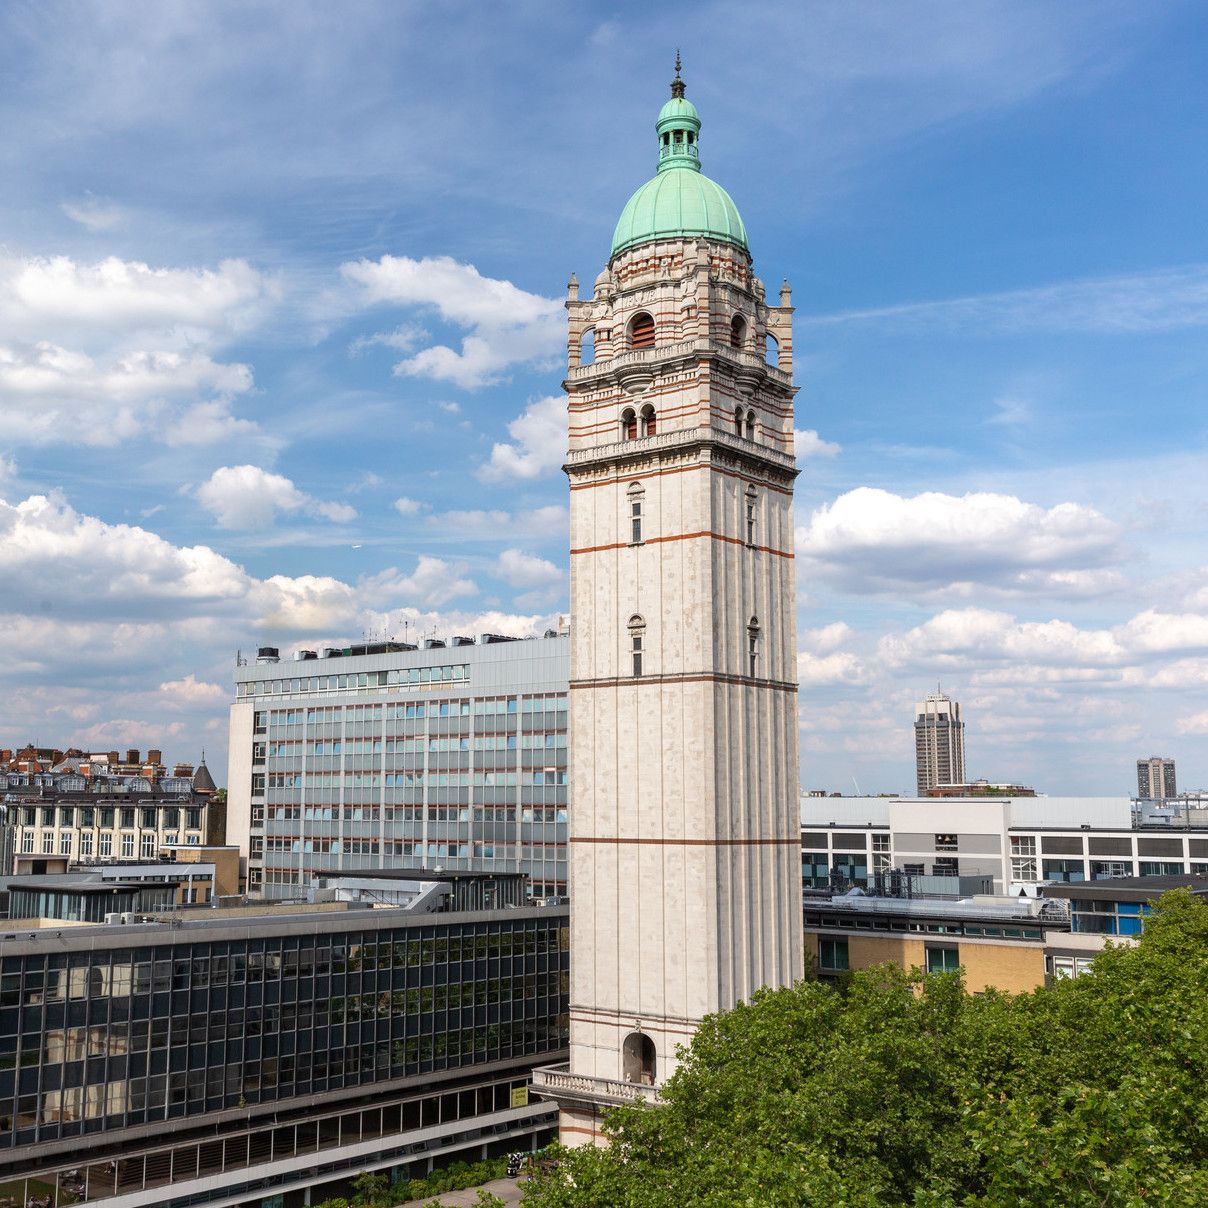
637,636
750,517
635,516
752,646
750,425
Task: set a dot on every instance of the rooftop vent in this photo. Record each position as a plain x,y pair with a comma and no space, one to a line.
433,644
331,652
268,654
491,639
461,640
304,656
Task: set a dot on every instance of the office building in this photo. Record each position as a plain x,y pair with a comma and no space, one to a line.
683,831
1004,943
1013,843
939,743
268,1054
1155,778
383,755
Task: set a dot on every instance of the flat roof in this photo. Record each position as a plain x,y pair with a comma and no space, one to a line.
1128,889
81,886
938,908
414,874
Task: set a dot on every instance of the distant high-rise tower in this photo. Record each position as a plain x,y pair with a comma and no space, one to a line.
939,742
1155,778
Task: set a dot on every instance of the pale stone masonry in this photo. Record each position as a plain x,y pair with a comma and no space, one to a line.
684,837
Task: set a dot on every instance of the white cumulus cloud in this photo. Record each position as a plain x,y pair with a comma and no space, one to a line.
118,349
807,443
504,325
247,497
538,443
871,540
527,571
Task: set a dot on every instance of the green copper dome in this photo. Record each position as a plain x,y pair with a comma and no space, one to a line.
681,200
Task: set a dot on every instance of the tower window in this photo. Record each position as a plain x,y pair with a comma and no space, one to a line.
637,634
772,351
629,424
752,646
750,433
649,426
587,347
751,517
739,416
641,331
738,331
635,514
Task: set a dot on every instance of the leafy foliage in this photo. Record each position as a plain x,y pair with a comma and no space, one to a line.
903,1089
374,1190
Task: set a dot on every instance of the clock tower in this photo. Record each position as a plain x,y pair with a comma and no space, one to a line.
684,828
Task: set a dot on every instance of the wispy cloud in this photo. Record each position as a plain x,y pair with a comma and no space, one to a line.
1166,300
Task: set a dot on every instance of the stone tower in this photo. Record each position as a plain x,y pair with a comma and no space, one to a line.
684,834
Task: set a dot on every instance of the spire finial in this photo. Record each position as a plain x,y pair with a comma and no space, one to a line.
677,85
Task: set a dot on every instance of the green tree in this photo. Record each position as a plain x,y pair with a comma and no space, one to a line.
372,1190
903,1089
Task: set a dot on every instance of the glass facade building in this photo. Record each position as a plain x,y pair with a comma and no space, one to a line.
110,1035
389,756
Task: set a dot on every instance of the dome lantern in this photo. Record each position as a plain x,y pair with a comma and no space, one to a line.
680,201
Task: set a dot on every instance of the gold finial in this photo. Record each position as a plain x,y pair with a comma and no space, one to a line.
677,85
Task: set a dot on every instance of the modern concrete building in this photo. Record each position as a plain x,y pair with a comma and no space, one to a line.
266,1056
1003,943
1155,778
683,831
939,743
1017,842
451,756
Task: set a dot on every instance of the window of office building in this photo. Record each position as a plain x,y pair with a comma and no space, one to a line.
1064,870
942,960
1023,858
106,849
65,843
882,860
48,843
85,844
127,846
832,956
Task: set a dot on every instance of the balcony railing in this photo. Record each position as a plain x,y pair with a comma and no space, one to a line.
556,1082
682,438
635,358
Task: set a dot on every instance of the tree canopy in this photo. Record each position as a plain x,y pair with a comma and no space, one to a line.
904,1089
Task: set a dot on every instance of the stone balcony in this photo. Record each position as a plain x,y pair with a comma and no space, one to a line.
680,439
556,1082
639,363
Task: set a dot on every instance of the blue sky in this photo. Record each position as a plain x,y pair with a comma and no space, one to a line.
280,348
